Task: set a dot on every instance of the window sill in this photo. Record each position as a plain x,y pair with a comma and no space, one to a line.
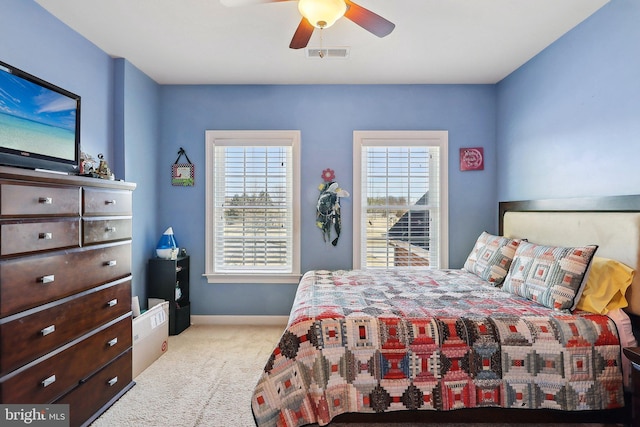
253,278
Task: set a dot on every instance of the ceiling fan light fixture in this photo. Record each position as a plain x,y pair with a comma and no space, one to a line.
322,13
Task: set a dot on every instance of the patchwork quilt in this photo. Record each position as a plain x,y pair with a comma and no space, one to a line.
376,341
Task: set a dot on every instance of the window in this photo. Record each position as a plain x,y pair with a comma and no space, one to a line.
400,199
253,213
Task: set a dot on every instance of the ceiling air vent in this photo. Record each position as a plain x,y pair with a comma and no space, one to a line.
327,53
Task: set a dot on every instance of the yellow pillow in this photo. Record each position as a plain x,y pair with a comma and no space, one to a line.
607,283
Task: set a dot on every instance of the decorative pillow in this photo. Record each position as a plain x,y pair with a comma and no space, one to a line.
552,276
606,286
491,257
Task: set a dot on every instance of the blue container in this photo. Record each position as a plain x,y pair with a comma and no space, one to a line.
167,248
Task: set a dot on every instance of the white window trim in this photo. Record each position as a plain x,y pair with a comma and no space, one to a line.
406,138
262,137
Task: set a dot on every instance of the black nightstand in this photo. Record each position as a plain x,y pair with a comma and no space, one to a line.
164,275
633,353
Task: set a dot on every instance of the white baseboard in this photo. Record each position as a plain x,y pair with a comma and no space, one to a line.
239,320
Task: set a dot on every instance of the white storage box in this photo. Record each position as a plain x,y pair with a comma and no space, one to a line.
150,336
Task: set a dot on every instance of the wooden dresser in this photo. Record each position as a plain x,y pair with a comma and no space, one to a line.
65,291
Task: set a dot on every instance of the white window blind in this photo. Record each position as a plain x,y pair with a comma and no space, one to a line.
253,207
401,199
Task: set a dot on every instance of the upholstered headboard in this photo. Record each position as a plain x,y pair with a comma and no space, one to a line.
612,223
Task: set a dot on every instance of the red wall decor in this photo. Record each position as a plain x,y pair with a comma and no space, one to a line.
472,159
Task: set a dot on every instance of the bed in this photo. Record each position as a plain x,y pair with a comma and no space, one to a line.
495,340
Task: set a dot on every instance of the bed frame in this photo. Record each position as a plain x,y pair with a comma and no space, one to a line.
613,223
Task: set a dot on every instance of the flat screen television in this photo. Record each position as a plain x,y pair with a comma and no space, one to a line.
39,123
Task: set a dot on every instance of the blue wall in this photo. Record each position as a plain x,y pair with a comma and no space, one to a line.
569,119
119,115
327,117
137,135
564,124
38,43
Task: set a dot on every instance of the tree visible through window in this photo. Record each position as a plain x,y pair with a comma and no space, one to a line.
252,211
400,193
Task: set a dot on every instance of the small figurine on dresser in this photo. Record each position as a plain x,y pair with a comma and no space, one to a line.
87,164
103,171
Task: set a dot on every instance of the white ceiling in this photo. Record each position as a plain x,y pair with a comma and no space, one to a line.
435,41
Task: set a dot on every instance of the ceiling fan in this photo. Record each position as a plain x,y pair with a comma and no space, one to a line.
323,14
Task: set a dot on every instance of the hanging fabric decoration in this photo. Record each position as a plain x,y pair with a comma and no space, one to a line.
328,206
182,174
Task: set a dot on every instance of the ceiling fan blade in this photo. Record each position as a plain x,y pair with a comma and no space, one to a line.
236,3
368,20
302,35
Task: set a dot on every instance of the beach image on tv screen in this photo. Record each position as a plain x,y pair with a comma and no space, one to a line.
36,119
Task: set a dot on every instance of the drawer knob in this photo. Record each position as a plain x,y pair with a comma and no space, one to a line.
49,381
112,381
47,279
48,330
45,200
113,302
112,342
110,229
109,202
111,263
45,236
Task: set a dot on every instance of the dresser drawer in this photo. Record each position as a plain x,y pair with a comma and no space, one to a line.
31,281
18,200
21,237
33,336
105,230
48,380
98,390
107,202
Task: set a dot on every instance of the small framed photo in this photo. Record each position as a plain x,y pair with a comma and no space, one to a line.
182,174
472,159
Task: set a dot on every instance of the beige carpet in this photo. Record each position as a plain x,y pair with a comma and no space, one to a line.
206,378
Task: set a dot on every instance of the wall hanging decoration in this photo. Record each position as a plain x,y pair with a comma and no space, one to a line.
328,206
182,174
472,159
